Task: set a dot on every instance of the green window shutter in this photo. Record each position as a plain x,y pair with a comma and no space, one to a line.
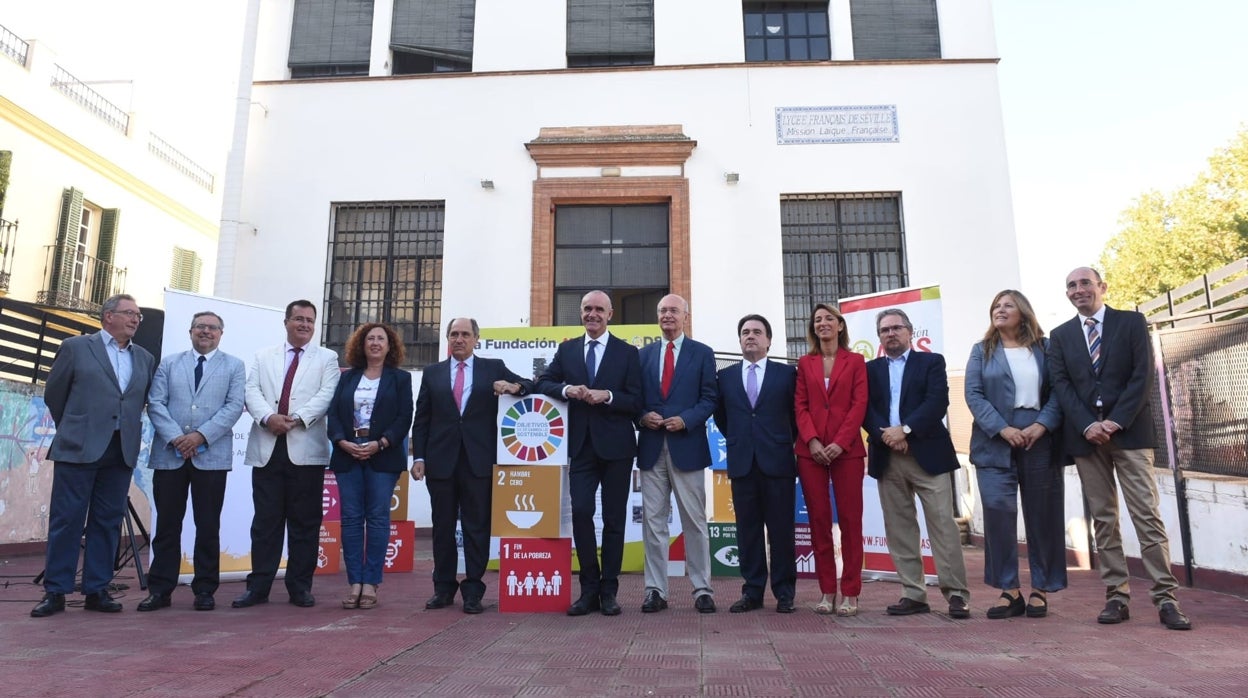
6,161
102,285
61,280
185,270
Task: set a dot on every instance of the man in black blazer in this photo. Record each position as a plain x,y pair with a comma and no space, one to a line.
95,392
759,432
600,377
910,452
1101,365
454,443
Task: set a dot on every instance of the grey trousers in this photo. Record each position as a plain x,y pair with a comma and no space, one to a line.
902,480
657,486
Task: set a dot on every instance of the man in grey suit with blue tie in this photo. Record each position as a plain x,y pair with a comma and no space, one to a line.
196,398
95,392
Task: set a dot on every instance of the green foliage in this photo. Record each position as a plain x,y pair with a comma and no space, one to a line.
1167,240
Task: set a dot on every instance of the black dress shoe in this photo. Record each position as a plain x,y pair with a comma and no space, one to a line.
204,602
1115,612
1014,606
704,604
303,599
908,607
102,602
608,605
583,605
439,601
654,602
958,608
784,606
52,602
154,602
249,598
1173,618
746,603
473,606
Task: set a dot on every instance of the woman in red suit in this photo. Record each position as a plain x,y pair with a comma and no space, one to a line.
831,403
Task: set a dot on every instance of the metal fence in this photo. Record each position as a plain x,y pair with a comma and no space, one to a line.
178,161
12,46
29,338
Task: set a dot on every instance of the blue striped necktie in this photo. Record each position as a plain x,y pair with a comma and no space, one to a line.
1094,344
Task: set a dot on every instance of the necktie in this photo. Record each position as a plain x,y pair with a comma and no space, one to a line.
591,361
1094,344
199,371
751,384
283,403
458,389
669,365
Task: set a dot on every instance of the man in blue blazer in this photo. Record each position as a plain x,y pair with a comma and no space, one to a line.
454,446
910,452
1101,363
679,392
600,377
95,392
756,419
197,396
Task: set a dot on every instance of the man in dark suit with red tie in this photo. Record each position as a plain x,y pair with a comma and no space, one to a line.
600,377
453,444
1101,365
755,415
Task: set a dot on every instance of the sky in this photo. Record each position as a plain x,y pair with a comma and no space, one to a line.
1102,100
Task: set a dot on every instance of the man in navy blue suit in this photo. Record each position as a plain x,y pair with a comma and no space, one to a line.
1101,363
453,445
600,377
755,415
678,392
910,452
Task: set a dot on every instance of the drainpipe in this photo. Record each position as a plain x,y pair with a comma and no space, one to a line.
232,198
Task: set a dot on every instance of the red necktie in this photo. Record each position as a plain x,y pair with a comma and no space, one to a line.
669,365
458,389
283,403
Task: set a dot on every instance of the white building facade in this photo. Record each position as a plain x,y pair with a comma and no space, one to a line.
409,161
94,200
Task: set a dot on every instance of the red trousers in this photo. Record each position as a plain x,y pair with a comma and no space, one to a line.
846,475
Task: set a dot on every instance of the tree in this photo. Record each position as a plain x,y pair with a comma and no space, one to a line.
1167,240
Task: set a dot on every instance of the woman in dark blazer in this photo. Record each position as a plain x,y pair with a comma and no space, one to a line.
368,419
831,403
1007,391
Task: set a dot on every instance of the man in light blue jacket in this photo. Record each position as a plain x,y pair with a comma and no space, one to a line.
196,398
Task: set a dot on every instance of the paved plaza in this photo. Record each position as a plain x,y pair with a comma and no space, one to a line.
400,649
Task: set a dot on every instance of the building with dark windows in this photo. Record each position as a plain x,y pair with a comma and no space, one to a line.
411,160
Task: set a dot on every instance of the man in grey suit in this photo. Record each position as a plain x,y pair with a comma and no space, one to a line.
196,398
95,391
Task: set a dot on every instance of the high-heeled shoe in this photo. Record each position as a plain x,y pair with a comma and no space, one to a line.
352,599
368,596
848,607
826,605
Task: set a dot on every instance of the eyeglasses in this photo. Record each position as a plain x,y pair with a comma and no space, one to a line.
892,328
129,313
206,328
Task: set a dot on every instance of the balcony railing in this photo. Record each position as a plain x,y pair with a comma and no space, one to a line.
74,280
13,47
89,99
171,155
8,240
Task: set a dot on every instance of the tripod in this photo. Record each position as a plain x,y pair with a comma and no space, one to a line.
127,546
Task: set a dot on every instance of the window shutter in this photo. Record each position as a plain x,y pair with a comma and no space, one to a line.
434,28
102,286
885,29
66,249
610,27
6,161
184,273
331,32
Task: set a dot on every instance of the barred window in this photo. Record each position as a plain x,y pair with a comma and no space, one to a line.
385,265
837,245
892,29
610,32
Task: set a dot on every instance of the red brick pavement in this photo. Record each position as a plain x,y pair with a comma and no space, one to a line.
400,649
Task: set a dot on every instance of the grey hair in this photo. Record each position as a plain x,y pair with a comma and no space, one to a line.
207,312
905,319
110,305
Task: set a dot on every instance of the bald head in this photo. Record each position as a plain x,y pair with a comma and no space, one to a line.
673,313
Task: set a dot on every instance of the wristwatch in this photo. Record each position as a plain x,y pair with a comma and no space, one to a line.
905,429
